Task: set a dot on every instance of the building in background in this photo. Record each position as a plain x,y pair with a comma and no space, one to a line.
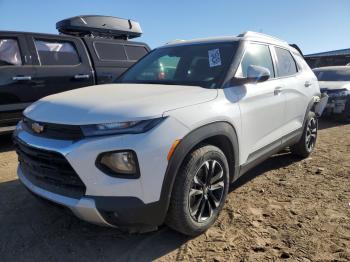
330,58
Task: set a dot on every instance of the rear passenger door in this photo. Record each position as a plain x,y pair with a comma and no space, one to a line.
16,75
113,57
292,88
60,63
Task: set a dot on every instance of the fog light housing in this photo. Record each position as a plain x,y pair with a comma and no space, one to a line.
122,164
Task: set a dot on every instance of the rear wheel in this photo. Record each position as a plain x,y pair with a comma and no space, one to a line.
307,143
199,191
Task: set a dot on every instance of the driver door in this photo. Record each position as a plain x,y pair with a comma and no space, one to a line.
262,105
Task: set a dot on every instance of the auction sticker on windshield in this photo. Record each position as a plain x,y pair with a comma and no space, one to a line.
214,57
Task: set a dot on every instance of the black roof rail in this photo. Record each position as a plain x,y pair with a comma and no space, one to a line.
100,26
297,48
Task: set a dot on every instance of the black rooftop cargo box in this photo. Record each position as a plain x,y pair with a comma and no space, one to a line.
99,26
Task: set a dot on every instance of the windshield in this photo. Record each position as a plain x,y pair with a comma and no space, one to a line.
202,65
336,75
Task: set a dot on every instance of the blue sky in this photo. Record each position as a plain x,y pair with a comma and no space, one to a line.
315,25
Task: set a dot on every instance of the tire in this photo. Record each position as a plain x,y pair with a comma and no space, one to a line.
192,191
307,142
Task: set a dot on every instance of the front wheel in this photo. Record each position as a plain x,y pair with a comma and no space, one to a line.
307,143
199,191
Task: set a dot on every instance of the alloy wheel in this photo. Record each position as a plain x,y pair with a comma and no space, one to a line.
311,134
206,191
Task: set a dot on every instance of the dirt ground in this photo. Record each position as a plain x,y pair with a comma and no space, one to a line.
284,210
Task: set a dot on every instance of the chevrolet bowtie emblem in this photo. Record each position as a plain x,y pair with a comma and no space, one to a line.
37,128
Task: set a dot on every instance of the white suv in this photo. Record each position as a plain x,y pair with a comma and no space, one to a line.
164,143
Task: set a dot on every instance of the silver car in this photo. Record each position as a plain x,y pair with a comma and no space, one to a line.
335,82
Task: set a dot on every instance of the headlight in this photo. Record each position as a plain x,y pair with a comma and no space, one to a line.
119,164
129,127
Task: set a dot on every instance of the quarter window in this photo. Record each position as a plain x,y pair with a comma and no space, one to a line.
9,53
285,63
256,55
56,53
301,63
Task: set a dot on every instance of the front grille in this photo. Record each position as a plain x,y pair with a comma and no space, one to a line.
9,118
49,170
54,131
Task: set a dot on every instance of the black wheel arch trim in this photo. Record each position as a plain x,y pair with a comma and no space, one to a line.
187,144
309,108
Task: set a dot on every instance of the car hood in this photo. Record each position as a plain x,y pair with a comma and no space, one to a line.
115,102
334,85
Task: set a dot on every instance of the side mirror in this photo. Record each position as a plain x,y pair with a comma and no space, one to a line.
255,74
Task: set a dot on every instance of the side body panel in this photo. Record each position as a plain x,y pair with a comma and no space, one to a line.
297,96
54,78
222,109
262,105
15,84
262,112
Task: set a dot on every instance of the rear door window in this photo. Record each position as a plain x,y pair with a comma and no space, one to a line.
110,51
256,55
52,52
135,52
10,54
285,63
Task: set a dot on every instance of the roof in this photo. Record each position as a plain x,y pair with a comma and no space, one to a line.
254,36
332,68
16,33
331,53
28,33
202,40
249,36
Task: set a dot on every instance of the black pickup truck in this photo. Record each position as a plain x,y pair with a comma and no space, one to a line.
89,50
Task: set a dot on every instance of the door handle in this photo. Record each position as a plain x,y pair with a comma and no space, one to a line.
307,84
277,91
21,78
81,76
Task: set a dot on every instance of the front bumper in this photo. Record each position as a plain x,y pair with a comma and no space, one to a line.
83,208
121,212
108,200
336,105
